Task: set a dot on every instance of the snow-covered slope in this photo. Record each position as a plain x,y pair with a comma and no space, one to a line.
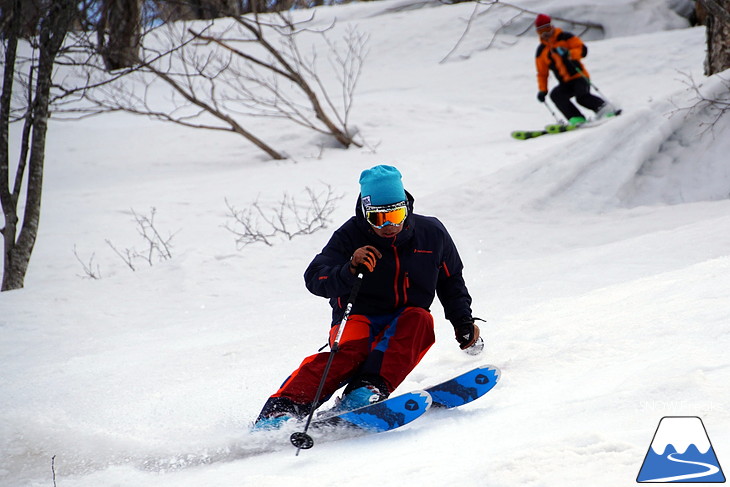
599,258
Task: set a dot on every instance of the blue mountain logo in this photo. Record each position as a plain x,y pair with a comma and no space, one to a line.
681,452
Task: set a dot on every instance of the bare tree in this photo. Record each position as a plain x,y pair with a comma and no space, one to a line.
290,64
222,76
19,235
63,35
39,40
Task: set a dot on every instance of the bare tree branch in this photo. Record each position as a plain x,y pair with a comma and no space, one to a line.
289,218
515,20
157,248
714,107
91,270
249,67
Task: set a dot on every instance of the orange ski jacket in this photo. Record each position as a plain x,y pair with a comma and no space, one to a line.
547,59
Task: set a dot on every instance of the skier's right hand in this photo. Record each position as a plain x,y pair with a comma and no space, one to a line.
541,96
366,257
467,333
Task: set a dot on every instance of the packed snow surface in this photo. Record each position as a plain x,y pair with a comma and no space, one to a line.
600,259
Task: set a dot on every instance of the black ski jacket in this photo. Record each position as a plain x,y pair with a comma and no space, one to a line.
417,264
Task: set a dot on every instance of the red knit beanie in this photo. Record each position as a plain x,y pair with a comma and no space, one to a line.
542,19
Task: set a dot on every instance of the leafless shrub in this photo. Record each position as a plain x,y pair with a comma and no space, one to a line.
289,219
91,270
714,106
157,248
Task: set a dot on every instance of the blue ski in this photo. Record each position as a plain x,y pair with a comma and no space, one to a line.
397,411
401,410
385,415
465,388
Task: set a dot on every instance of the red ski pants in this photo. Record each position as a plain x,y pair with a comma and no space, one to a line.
387,346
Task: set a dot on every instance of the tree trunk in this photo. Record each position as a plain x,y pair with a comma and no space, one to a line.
10,33
717,19
119,33
53,30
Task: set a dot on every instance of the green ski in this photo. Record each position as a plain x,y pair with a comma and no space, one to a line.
528,134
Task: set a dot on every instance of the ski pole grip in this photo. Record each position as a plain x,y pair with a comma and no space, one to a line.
361,269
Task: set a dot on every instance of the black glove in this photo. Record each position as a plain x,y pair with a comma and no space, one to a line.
541,96
467,334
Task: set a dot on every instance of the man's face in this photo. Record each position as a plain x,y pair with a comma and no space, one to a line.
388,231
387,221
545,31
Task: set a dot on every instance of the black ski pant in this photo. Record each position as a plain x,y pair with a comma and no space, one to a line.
581,90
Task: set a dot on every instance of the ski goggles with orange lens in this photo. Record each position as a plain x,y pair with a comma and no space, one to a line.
380,216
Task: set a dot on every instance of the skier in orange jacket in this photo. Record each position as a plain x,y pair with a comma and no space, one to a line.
561,52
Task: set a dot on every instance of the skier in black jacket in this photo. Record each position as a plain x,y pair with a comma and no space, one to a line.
409,260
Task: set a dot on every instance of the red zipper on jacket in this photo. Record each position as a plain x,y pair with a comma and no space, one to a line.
406,285
397,271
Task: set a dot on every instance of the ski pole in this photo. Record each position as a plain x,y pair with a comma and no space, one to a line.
591,83
580,71
552,112
302,440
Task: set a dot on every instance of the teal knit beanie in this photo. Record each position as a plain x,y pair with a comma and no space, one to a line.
381,185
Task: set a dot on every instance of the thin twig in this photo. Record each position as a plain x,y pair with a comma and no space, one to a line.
289,218
88,267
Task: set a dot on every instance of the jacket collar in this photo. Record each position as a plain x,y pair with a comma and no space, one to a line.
553,38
